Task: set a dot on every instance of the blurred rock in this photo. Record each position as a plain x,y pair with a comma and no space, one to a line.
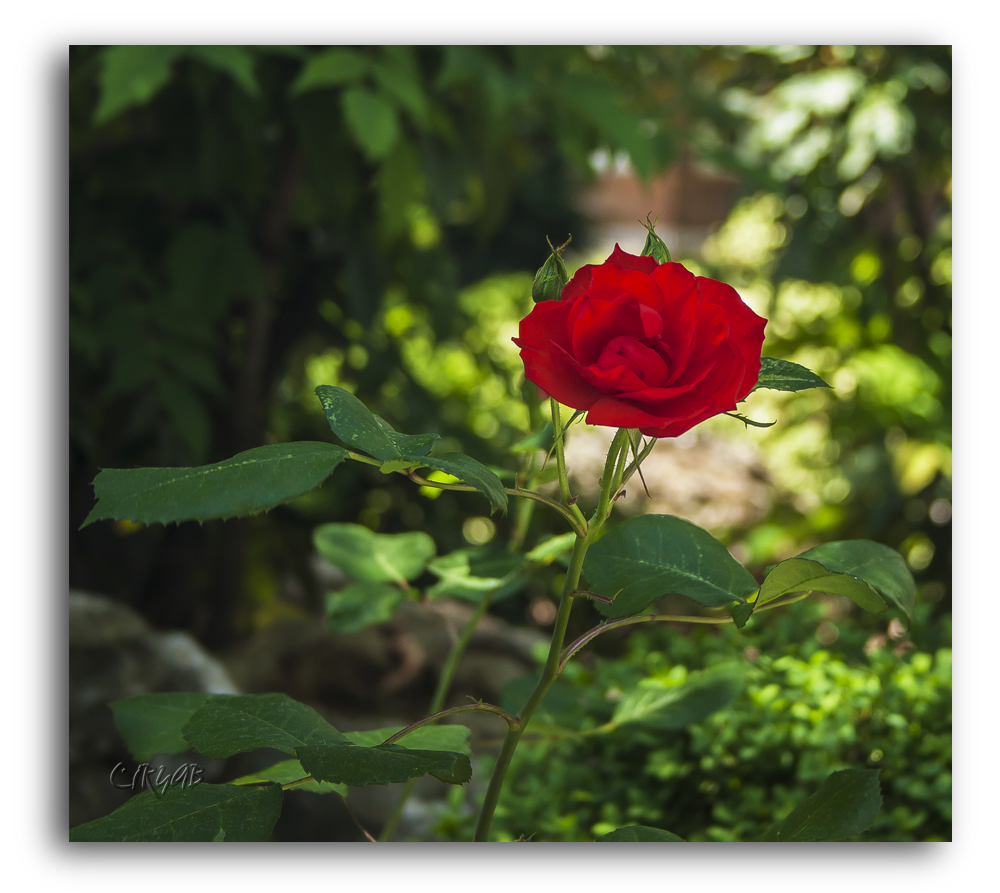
385,676
113,654
715,483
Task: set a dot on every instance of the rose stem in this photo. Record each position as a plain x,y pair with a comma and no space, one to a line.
614,469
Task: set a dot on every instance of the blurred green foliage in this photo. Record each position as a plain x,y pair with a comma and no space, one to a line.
807,710
249,221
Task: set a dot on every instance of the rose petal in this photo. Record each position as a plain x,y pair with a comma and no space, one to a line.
617,413
679,289
555,372
620,378
547,323
746,328
653,370
631,262
579,284
593,323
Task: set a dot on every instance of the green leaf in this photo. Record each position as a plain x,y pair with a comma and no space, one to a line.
640,834
372,122
783,375
643,559
132,75
561,707
250,482
330,69
360,605
468,471
235,61
676,706
552,549
384,764
205,812
288,771
741,614
361,429
541,439
399,75
152,723
870,574
445,737
846,803
231,724
374,557
802,575
599,102
471,573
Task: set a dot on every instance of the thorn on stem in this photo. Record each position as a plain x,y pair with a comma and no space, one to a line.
572,500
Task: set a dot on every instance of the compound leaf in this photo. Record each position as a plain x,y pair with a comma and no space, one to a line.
676,706
384,764
351,609
152,723
640,834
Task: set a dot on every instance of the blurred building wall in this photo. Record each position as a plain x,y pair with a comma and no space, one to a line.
690,198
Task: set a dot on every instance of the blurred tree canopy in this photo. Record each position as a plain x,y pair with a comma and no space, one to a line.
249,222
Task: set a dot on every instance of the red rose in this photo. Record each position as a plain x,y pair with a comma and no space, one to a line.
643,345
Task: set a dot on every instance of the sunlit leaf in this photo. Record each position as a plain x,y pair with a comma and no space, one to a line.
330,68
288,771
449,737
676,706
468,471
372,122
870,574
783,375
374,557
640,834
351,609
361,429
471,573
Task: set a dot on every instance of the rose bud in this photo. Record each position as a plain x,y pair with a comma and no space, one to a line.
551,277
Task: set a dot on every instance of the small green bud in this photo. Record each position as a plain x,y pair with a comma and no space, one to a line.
654,247
551,276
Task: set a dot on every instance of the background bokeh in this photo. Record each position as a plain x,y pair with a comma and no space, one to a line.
249,222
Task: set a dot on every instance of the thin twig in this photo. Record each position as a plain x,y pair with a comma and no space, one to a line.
571,649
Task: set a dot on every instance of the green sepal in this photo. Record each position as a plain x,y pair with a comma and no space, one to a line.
551,277
655,247
748,422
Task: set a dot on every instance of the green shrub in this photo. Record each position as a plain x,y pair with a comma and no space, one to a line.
805,712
